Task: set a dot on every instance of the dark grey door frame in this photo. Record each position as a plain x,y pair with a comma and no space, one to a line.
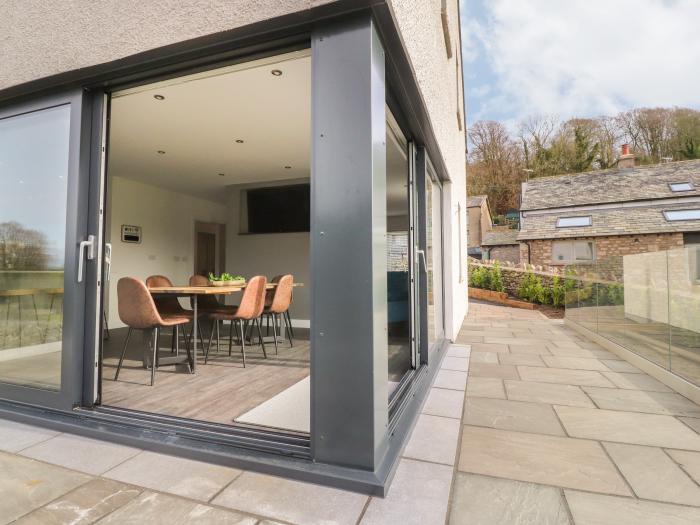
69,393
349,354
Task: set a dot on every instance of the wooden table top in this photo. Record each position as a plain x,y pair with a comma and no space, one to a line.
29,291
206,290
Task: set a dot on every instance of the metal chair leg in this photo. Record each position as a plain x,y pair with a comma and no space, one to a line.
155,355
289,320
260,336
240,325
290,333
121,358
230,338
274,331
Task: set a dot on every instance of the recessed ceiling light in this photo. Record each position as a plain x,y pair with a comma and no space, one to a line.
288,167
159,97
276,72
222,174
161,152
239,141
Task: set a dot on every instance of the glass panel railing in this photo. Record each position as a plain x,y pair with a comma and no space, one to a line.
684,312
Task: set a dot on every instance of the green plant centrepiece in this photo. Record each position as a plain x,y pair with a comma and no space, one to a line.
225,277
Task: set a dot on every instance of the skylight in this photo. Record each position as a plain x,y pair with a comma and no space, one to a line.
572,222
680,186
682,215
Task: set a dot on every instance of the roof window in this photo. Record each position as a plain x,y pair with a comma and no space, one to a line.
573,222
680,186
682,215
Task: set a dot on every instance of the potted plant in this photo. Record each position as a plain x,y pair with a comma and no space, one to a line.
226,279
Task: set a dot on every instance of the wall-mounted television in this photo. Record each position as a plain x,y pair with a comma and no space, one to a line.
279,209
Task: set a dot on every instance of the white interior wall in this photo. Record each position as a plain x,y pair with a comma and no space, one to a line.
269,254
167,220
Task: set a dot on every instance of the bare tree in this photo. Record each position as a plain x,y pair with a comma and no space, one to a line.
22,248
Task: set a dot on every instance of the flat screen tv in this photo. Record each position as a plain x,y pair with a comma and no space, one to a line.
279,209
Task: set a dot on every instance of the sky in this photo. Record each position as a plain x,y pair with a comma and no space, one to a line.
578,58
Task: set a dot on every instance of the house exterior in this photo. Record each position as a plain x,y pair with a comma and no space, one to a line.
501,244
479,223
584,217
65,60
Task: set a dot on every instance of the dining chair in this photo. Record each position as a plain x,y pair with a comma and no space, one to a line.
250,310
209,304
279,304
138,311
268,302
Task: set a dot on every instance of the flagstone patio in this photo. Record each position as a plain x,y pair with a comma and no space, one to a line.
553,429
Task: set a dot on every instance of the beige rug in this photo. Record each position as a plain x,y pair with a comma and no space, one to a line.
288,410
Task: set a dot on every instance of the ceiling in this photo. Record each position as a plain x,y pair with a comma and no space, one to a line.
200,119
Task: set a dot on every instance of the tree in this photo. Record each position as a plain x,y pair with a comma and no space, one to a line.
649,131
22,248
685,134
494,166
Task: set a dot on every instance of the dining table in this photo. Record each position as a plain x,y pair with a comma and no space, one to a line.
194,292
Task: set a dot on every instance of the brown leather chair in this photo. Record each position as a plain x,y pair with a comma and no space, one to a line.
250,310
138,311
209,304
268,302
278,308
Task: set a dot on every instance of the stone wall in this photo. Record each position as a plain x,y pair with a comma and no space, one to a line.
506,253
605,247
513,276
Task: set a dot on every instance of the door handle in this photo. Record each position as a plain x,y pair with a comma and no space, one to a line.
108,260
87,251
421,255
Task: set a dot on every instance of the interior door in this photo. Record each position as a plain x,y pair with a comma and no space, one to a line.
44,249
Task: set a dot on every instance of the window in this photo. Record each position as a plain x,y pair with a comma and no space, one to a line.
682,215
570,252
572,222
279,209
680,186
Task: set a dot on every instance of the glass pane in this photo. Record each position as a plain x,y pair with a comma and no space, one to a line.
33,175
398,258
561,252
433,254
684,305
583,251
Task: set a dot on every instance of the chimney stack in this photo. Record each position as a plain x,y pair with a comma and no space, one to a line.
626,160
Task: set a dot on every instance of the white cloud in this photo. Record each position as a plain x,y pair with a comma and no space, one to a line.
587,57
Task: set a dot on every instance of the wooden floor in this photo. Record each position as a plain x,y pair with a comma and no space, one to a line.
219,392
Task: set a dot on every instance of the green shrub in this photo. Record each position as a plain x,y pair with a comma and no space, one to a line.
496,279
480,278
558,292
530,287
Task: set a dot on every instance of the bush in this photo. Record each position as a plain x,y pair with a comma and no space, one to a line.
530,287
480,278
496,279
558,292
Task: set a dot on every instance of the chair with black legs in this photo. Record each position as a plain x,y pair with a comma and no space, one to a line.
209,304
138,311
250,310
278,307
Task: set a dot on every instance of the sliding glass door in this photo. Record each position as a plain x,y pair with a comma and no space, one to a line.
433,257
42,238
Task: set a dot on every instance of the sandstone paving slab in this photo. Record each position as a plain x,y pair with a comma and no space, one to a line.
468,339
462,351
444,402
563,376
576,363
156,508
538,458
621,366
693,423
643,401
451,379
636,382
512,415
84,505
180,476
26,485
520,359
529,349
484,357
486,387
552,393
493,370
490,347
598,509
292,501
434,439
689,462
419,495
461,364
17,436
628,427
653,475
95,456
483,500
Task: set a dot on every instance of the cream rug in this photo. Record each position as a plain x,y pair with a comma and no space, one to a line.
288,410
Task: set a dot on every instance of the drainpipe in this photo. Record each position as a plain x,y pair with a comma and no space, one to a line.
529,261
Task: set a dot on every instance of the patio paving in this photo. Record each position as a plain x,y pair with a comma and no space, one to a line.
543,427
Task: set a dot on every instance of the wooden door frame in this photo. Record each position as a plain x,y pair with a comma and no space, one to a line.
219,231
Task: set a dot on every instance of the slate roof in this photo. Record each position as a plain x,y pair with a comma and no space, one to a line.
611,221
614,185
475,200
500,237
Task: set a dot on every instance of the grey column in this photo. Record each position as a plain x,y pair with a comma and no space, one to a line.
349,370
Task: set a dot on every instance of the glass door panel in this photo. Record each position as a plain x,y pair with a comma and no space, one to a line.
433,255
34,169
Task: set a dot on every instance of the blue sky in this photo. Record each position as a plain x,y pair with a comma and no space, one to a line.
579,58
